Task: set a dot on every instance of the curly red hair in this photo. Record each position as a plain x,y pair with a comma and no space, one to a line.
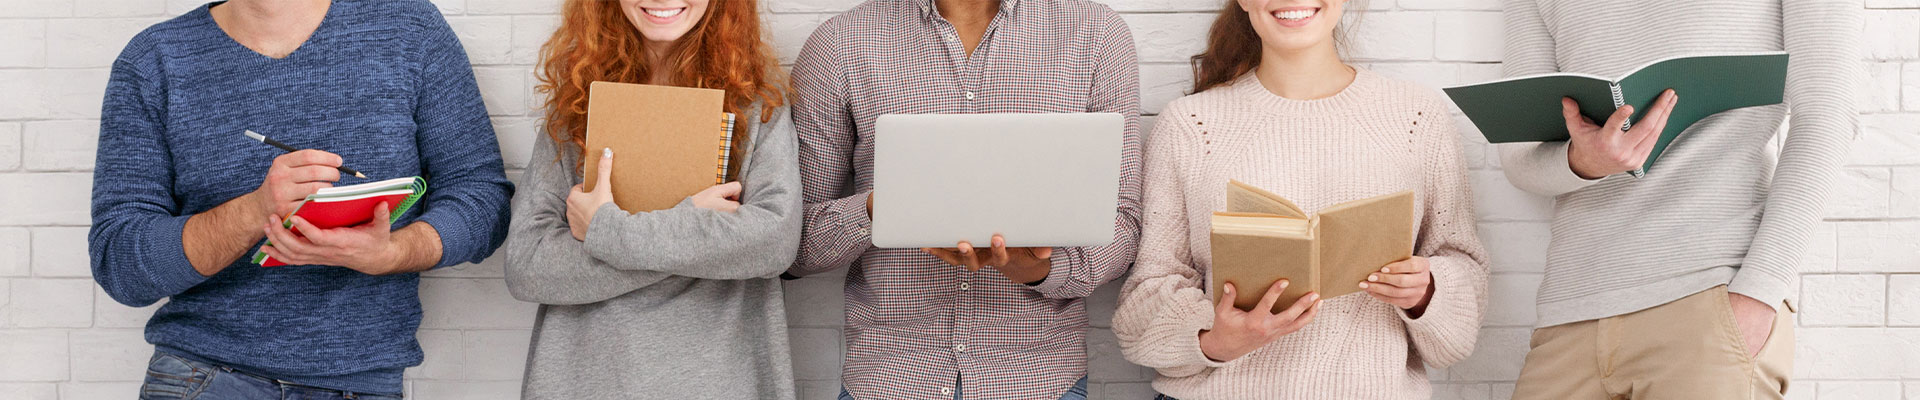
595,42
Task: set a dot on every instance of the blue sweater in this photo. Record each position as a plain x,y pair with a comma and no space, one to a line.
386,85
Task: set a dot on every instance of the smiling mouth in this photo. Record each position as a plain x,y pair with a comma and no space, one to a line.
1295,14
665,12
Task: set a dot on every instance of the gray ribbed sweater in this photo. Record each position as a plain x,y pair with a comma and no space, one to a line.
1721,208
681,303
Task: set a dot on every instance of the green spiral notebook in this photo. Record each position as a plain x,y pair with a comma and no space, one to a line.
1527,108
347,206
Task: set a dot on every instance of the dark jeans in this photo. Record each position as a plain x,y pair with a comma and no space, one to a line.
171,377
1078,392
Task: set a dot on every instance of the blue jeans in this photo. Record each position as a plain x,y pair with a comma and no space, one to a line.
1078,392
170,377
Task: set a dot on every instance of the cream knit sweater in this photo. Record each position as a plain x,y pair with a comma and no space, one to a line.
1377,136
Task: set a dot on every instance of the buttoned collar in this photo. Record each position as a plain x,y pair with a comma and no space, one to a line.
928,10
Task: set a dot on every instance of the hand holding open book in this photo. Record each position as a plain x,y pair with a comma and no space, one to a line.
1263,238
1532,108
1597,150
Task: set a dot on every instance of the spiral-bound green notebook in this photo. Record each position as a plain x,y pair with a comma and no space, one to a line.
347,206
1527,108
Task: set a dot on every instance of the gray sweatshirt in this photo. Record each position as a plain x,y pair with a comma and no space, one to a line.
682,303
1721,208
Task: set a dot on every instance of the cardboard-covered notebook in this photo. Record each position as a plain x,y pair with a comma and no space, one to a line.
1263,238
664,141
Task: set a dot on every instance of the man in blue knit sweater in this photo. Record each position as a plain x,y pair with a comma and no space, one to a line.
181,197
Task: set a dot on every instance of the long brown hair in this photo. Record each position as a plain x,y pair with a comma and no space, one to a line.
1233,47
596,42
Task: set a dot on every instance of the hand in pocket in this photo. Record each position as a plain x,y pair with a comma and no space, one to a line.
1754,319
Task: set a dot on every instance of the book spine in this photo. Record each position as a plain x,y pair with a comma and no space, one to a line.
1620,100
726,149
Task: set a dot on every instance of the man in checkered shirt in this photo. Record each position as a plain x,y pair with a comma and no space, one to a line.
921,326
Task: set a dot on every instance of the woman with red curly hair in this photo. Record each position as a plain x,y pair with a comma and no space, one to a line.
677,303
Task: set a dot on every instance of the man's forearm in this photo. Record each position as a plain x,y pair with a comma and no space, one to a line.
418,246
213,239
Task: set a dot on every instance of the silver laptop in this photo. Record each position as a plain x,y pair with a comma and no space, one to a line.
1039,180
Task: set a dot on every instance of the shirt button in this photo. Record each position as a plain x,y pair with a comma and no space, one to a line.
960,347
946,391
969,95
965,286
865,232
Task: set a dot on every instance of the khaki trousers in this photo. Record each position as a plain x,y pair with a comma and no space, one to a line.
1687,349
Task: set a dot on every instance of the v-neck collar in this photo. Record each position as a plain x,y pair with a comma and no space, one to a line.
333,9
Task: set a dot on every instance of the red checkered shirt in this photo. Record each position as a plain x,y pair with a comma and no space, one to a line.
915,325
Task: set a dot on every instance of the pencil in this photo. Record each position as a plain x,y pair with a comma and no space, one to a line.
290,149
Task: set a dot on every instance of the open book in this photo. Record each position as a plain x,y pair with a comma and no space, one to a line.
1263,238
664,141
347,206
1527,108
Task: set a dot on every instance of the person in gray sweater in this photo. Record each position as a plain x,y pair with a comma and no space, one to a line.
682,303
1679,284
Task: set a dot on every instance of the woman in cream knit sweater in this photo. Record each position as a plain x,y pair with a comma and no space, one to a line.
1275,107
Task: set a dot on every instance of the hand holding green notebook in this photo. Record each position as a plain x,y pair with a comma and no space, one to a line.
1528,109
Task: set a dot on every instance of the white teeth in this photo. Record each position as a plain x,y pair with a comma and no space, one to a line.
665,13
1293,15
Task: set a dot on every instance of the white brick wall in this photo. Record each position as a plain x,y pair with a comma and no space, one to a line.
62,338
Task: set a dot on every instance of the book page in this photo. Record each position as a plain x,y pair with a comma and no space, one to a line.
1244,198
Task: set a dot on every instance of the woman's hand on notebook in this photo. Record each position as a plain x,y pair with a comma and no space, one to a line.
293,177
1236,333
1407,284
723,197
1596,151
581,205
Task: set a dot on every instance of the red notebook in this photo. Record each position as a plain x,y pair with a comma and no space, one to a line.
346,206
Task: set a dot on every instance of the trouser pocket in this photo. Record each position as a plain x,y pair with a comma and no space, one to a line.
1772,366
172,378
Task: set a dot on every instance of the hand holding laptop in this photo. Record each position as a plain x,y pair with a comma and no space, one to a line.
1021,264
1026,265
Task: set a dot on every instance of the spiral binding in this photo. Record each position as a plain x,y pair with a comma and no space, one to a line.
1618,101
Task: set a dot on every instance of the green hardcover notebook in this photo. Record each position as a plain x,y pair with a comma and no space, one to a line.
348,206
1527,108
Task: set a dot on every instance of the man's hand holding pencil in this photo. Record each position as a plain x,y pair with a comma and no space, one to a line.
293,177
